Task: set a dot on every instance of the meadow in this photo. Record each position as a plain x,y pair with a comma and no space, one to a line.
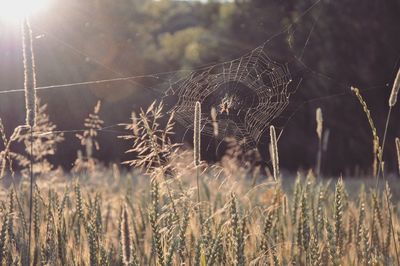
173,208
157,214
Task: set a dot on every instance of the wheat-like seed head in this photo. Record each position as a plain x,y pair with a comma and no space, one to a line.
395,90
126,237
214,121
338,215
29,73
376,147
197,129
320,121
97,107
274,152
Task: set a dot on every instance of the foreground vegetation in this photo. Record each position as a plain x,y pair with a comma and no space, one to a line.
105,218
175,209
97,215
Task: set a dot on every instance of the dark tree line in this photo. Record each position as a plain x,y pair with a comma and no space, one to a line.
335,44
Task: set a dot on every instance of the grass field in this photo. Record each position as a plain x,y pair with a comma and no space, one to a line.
172,208
98,215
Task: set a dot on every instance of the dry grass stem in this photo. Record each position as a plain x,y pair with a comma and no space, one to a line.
274,153
197,133
377,151
29,73
398,152
395,90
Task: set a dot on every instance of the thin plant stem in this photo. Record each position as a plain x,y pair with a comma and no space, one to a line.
24,228
170,195
30,107
198,196
379,172
30,199
392,226
197,181
383,148
319,159
154,145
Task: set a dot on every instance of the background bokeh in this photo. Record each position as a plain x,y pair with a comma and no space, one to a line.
340,43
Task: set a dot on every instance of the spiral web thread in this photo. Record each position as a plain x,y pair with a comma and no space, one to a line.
248,93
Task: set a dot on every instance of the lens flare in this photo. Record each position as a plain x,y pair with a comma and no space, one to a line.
15,10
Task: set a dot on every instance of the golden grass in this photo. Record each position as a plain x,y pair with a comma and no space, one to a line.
101,216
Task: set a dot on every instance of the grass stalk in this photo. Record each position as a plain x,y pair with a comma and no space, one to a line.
378,150
31,181
392,103
397,141
274,153
380,154
389,209
197,144
319,130
30,105
376,142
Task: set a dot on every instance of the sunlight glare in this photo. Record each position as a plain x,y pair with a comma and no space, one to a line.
15,10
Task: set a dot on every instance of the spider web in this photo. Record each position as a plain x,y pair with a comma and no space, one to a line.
248,93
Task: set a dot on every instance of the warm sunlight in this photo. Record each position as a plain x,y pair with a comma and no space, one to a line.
14,10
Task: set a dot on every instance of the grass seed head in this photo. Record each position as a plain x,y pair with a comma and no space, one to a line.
29,73
320,121
126,237
274,152
214,121
398,152
197,131
377,150
395,90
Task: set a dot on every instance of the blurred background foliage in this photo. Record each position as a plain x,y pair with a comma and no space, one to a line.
341,43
